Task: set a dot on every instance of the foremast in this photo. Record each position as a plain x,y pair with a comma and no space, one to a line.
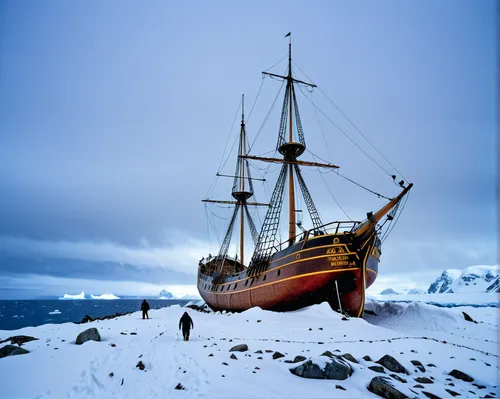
241,194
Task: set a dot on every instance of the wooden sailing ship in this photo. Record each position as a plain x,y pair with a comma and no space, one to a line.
332,262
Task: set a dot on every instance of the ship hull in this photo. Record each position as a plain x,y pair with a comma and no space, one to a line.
336,268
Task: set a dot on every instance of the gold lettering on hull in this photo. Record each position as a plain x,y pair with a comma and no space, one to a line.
341,261
335,250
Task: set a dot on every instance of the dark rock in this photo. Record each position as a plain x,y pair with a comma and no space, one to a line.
452,393
382,386
111,374
239,348
320,328
113,345
210,355
233,356
259,358
397,377
451,384
430,395
468,318
123,379
268,350
479,386
488,396
133,333
277,355
12,350
88,335
179,387
424,380
336,369
431,365
288,361
367,358
140,365
310,329
259,351
340,387
19,339
378,369
419,365
391,364
258,321
461,375
224,364
327,353
349,357
320,343
418,386
257,368
299,358
123,333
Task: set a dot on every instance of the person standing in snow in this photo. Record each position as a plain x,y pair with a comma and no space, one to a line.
187,323
145,309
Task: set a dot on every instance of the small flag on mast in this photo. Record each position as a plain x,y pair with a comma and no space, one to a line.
288,34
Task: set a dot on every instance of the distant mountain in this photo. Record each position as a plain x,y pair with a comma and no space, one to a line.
471,279
416,291
164,294
389,291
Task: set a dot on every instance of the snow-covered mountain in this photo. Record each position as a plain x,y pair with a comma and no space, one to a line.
389,291
164,294
104,296
81,295
416,291
471,279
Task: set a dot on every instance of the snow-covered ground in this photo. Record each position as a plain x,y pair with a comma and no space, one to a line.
57,368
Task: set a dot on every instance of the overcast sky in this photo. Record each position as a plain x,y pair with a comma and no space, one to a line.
114,117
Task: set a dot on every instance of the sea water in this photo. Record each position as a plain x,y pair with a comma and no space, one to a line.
15,314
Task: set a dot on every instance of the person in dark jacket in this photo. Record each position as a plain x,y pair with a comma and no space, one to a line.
145,309
187,323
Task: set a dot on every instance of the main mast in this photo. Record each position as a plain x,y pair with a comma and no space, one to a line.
242,151
291,188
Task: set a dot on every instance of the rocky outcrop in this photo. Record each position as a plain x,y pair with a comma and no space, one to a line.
391,364
461,375
239,348
383,387
88,335
19,339
12,350
335,368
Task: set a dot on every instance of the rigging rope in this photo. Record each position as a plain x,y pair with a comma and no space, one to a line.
256,98
266,118
354,126
335,199
316,157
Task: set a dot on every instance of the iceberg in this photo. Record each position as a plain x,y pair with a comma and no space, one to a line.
81,295
106,296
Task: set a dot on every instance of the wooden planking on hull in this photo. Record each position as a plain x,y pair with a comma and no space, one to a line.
299,278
